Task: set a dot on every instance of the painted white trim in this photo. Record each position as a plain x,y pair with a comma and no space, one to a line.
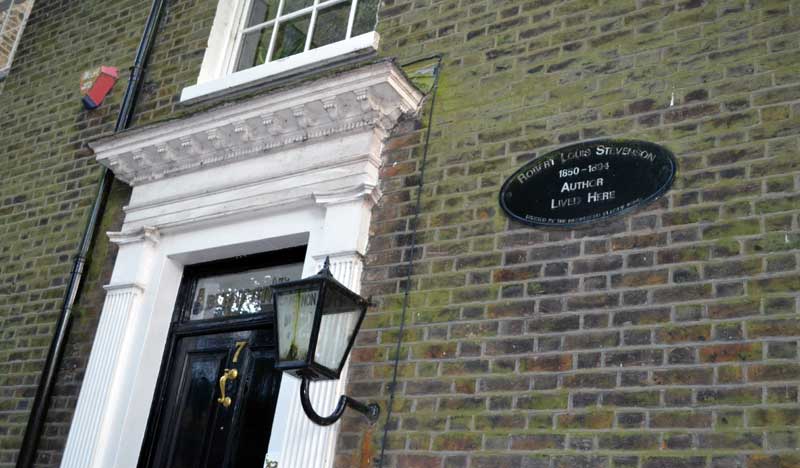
124,287
146,233
319,193
370,97
359,45
224,29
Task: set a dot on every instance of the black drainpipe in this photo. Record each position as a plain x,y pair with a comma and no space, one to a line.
41,401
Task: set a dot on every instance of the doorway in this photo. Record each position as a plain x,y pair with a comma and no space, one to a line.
217,389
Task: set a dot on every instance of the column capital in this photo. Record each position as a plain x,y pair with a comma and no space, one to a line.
143,234
124,287
338,257
365,191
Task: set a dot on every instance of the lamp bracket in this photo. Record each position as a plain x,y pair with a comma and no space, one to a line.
371,411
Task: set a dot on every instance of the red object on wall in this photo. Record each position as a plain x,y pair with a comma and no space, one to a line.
100,88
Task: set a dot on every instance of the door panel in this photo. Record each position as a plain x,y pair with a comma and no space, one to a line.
256,411
196,430
196,409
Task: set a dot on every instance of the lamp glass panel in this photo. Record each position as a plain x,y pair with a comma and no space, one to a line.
335,331
295,317
340,316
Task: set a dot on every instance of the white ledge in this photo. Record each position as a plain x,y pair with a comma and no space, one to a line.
373,96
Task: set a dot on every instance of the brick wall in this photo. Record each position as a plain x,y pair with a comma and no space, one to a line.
12,17
663,338
48,182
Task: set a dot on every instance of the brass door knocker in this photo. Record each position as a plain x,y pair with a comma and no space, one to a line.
229,374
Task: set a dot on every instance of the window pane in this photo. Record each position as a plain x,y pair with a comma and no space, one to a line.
254,48
12,15
336,329
4,6
238,294
262,11
294,5
366,17
291,38
331,25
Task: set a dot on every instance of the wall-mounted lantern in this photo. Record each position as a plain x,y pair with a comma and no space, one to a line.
317,319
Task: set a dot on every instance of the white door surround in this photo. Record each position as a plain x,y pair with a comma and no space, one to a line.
292,168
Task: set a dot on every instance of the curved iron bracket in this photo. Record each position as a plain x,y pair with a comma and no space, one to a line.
371,411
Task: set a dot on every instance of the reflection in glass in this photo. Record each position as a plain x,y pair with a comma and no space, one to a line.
294,5
262,11
295,321
254,48
366,17
334,335
237,294
331,25
291,38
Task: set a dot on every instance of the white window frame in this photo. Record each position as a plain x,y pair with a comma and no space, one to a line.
217,73
4,71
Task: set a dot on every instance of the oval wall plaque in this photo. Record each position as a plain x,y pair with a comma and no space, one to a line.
588,181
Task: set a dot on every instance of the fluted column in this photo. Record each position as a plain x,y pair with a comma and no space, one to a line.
94,434
307,445
343,239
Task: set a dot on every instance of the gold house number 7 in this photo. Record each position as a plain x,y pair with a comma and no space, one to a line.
239,347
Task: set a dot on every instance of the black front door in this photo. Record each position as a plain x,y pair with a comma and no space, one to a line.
222,399
218,387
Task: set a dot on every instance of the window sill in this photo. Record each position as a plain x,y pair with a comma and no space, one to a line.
359,45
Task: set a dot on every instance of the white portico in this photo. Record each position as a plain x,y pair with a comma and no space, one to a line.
296,167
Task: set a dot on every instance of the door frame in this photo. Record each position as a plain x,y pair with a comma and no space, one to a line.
308,173
181,328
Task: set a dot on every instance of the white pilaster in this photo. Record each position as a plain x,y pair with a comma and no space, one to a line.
117,345
306,444
301,443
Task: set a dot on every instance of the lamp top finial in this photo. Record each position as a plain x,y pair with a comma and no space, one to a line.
326,268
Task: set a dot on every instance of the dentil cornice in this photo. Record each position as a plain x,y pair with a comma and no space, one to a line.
373,96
